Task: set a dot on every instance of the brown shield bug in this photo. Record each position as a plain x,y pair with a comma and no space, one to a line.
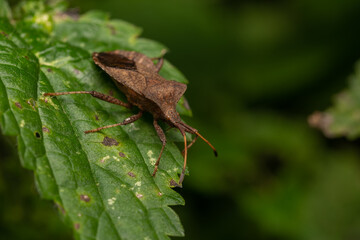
137,77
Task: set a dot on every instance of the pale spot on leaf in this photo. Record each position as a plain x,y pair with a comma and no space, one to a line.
22,123
151,158
133,127
104,159
111,201
49,100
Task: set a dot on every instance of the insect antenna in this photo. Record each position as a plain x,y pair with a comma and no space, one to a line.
194,131
215,152
184,127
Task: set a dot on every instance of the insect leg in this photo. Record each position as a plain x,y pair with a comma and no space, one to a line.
192,142
162,137
95,94
131,119
159,64
185,157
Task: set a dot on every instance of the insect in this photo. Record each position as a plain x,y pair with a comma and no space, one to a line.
137,77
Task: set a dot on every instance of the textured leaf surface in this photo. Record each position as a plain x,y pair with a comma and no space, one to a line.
101,182
343,118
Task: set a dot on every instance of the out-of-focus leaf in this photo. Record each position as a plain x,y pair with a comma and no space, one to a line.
4,9
343,118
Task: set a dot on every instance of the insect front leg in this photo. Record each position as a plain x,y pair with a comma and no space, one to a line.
95,94
131,119
182,175
162,137
192,142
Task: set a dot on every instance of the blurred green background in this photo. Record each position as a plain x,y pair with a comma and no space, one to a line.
257,69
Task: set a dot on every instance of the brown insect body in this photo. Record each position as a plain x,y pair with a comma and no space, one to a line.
139,80
137,77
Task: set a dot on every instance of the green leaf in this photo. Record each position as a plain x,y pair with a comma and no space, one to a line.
5,9
343,118
101,182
